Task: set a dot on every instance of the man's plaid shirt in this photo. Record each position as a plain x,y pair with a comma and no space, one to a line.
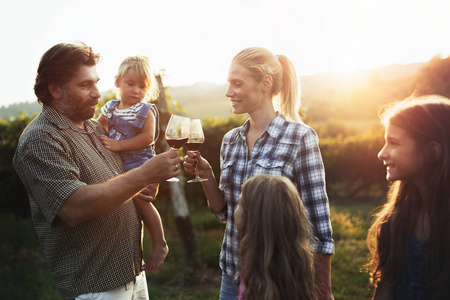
286,148
53,159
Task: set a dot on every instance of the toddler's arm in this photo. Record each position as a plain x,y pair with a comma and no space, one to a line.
103,121
139,141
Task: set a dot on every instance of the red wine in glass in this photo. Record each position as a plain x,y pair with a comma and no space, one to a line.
196,139
194,146
177,134
176,143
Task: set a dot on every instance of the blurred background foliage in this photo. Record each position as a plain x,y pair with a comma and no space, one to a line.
342,108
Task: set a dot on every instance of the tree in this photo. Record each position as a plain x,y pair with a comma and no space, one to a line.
434,77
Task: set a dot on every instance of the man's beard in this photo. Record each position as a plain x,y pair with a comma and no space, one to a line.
75,108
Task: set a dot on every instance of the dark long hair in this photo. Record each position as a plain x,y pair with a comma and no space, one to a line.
426,119
59,64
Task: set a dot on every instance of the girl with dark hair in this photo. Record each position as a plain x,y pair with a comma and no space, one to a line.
410,239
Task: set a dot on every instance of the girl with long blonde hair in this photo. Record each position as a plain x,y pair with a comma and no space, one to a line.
276,261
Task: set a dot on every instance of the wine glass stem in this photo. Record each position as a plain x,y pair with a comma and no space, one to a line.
196,167
196,172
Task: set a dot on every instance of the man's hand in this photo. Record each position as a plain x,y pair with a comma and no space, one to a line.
149,193
161,167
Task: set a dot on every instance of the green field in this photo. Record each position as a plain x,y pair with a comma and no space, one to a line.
24,274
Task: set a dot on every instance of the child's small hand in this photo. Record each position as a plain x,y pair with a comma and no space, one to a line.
110,144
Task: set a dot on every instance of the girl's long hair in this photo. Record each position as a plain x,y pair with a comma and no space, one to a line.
426,119
276,261
285,85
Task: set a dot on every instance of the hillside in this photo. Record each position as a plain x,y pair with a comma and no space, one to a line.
29,108
328,95
202,99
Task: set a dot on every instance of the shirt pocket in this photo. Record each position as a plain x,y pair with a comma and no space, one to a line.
226,174
271,167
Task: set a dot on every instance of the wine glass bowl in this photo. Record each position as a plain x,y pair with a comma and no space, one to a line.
194,143
177,134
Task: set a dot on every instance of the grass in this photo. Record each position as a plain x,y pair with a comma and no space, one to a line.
349,276
23,271
24,274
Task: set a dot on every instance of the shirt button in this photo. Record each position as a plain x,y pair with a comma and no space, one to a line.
268,165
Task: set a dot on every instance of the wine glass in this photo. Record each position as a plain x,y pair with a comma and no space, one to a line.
194,143
177,134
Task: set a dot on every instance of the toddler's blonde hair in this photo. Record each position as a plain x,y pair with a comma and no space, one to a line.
141,66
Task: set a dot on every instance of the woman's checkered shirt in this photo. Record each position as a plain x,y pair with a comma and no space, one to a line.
285,148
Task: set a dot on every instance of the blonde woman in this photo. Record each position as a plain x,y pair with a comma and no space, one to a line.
272,141
276,261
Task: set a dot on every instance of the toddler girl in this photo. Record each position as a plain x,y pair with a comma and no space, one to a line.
132,127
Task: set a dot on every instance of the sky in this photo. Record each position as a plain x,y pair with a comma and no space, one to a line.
195,40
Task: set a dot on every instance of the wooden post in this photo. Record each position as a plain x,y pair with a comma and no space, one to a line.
176,192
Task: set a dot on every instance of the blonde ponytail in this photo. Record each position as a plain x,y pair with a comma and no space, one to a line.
290,92
285,85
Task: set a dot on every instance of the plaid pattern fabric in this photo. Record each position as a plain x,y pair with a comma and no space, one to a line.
286,148
53,159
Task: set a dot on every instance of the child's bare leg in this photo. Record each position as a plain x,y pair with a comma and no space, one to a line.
152,222
159,245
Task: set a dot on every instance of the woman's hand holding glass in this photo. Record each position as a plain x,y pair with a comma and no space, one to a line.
194,143
194,162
